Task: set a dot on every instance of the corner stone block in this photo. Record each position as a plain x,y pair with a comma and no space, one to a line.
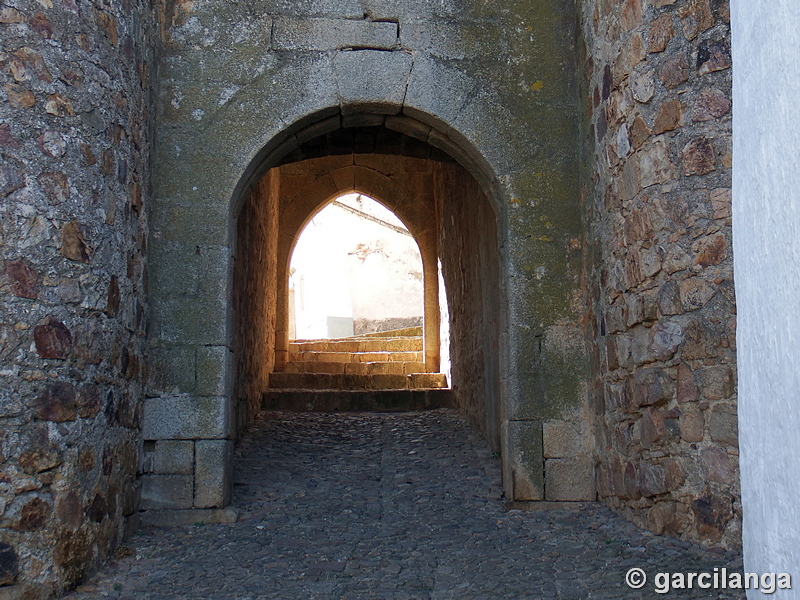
212,370
166,492
173,457
569,479
371,80
213,467
186,418
523,468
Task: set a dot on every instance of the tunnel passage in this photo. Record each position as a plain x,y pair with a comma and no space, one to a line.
444,208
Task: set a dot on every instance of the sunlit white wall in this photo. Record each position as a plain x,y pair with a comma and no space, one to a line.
347,266
766,254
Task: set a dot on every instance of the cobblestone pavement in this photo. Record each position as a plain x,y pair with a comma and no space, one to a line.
390,506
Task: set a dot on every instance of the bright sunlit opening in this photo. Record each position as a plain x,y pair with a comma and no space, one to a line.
355,269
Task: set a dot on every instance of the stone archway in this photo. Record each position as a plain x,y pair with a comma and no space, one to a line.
445,210
213,148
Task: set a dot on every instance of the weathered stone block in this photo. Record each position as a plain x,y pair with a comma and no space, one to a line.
453,40
213,364
709,250
331,34
73,243
643,86
716,382
651,480
652,387
674,72
713,56
201,321
695,18
172,369
173,456
631,14
669,117
655,165
721,204
561,439
444,100
183,417
640,345
665,338
52,338
371,80
692,425
213,467
712,104
57,403
717,466
723,425
166,491
712,514
700,341
687,385
661,32
23,279
698,157
660,518
569,479
695,293
174,266
522,460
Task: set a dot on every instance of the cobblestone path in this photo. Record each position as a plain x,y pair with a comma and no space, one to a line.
390,506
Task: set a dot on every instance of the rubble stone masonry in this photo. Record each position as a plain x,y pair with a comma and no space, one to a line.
74,148
658,102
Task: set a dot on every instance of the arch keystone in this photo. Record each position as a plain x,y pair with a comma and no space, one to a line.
371,80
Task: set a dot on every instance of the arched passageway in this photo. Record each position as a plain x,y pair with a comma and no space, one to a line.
444,208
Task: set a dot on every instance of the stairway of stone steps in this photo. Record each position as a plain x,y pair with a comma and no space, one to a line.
356,373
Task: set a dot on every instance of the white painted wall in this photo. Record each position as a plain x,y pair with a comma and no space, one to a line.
766,229
347,266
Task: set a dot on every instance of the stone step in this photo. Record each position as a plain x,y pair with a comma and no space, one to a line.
363,400
345,381
407,331
356,368
393,344
355,357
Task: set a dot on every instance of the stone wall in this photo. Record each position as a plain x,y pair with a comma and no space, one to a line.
75,124
469,254
658,102
255,298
